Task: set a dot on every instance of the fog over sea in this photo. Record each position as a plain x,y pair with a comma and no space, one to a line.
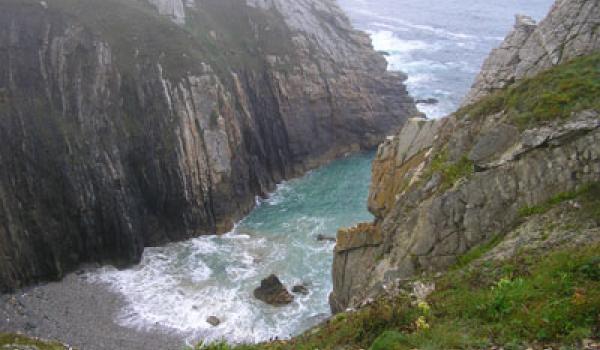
440,45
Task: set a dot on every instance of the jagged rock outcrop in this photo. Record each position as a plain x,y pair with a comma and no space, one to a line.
443,187
124,128
397,159
272,291
395,168
570,30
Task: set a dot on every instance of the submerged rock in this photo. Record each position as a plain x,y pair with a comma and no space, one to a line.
273,292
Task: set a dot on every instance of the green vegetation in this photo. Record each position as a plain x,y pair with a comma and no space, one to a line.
551,300
478,251
451,172
589,195
553,94
10,341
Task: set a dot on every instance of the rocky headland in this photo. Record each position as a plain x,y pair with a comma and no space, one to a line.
528,133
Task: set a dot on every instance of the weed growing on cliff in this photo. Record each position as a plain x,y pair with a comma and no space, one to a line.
545,299
451,172
589,194
554,94
478,251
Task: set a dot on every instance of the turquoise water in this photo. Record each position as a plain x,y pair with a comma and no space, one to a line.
179,286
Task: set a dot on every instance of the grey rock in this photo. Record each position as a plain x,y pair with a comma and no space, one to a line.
415,138
272,291
428,101
300,289
213,321
425,230
569,30
493,142
171,8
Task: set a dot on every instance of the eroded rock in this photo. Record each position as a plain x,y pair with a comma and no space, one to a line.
272,291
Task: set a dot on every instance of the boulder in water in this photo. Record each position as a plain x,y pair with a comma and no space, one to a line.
273,292
300,289
322,238
213,321
427,101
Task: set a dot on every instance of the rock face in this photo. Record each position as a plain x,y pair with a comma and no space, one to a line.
171,8
397,159
273,292
124,128
443,187
570,30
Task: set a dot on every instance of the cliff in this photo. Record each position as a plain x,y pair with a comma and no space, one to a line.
444,188
128,123
570,30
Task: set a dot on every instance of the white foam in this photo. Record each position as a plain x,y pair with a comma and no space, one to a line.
278,195
179,286
426,28
385,40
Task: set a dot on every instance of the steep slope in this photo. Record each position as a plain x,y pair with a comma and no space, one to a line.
128,123
570,30
442,188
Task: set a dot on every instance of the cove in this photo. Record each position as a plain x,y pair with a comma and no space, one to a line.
177,287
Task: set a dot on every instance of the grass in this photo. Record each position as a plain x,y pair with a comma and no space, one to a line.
8,340
551,95
554,299
451,172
